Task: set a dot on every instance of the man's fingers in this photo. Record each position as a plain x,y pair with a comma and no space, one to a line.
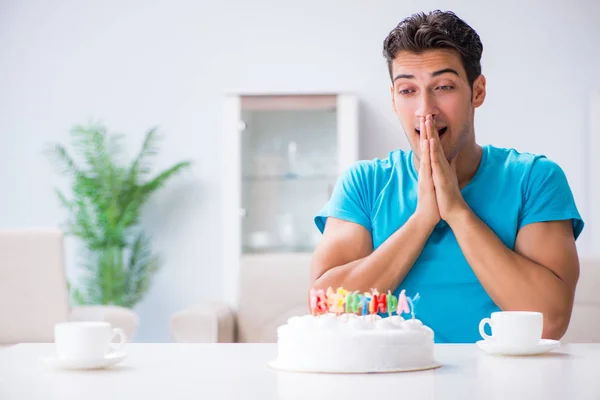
433,157
422,158
430,127
436,152
438,161
426,160
425,163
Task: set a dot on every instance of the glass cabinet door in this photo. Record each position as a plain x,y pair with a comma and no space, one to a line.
289,167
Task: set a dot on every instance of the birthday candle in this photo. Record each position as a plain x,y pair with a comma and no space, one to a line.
403,303
365,299
353,302
330,299
379,303
413,302
318,301
343,293
337,304
313,299
392,303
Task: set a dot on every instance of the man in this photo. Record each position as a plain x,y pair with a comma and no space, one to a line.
472,229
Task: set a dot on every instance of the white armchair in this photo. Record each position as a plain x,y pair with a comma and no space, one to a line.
272,289
210,323
585,319
33,290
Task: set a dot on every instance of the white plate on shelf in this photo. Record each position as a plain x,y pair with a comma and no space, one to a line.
65,363
543,346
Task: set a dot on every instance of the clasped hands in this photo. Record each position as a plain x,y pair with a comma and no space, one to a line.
439,195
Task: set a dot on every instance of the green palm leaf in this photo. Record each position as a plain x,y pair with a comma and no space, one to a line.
107,198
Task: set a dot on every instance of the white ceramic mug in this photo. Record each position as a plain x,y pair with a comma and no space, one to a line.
87,340
521,328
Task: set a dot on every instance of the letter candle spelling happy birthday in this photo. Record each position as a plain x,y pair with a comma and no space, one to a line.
342,301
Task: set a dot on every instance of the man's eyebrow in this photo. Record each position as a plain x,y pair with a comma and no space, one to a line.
405,76
444,71
433,74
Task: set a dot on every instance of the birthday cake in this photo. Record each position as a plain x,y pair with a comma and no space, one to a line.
355,333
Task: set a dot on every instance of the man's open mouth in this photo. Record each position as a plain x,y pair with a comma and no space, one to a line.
440,131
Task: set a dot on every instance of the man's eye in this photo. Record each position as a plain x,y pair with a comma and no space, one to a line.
446,87
405,91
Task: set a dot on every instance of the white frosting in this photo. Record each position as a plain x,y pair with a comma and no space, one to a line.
327,321
387,324
351,343
359,324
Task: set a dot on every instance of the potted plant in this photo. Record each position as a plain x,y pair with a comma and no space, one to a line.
104,207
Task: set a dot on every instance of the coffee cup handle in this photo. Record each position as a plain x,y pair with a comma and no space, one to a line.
122,337
482,326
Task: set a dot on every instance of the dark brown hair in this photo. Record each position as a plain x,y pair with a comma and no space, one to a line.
436,30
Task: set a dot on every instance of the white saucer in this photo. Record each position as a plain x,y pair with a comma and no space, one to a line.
107,361
543,346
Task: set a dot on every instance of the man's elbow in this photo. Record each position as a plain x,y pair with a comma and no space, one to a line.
556,325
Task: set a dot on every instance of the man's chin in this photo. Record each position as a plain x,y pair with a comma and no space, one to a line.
449,154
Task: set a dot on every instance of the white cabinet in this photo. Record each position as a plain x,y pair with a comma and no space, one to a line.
592,216
282,155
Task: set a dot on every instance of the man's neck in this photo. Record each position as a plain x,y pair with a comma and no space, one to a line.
467,164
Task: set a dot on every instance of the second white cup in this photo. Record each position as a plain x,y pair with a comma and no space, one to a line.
86,340
521,328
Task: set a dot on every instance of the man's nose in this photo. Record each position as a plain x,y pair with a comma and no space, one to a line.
427,105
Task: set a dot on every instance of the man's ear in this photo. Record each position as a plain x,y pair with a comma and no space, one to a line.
478,91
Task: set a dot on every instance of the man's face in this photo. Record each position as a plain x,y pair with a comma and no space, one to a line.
435,82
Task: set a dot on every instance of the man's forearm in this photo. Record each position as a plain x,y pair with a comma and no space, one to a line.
512,281
386,267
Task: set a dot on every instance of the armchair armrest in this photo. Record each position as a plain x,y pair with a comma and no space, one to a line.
118,317
213,323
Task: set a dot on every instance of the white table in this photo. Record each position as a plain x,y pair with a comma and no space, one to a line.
239,371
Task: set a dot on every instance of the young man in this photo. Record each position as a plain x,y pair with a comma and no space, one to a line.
472,229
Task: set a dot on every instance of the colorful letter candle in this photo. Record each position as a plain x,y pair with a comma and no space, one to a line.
413,302
335,301
313,298
379,303
338,304
403,303
318,301
392,303
342,294
353,302
365,300
330,300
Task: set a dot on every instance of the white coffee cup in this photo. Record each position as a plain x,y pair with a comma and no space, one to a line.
521,328
86,340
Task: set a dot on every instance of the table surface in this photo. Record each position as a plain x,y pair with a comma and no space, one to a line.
240,371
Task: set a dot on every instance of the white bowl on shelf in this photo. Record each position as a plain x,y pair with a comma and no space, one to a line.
260,240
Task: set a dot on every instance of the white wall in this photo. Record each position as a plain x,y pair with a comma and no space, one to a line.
136,64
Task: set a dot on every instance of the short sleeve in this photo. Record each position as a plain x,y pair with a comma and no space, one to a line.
350,199
548,196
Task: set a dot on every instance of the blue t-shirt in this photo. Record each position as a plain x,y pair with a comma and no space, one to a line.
509,190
